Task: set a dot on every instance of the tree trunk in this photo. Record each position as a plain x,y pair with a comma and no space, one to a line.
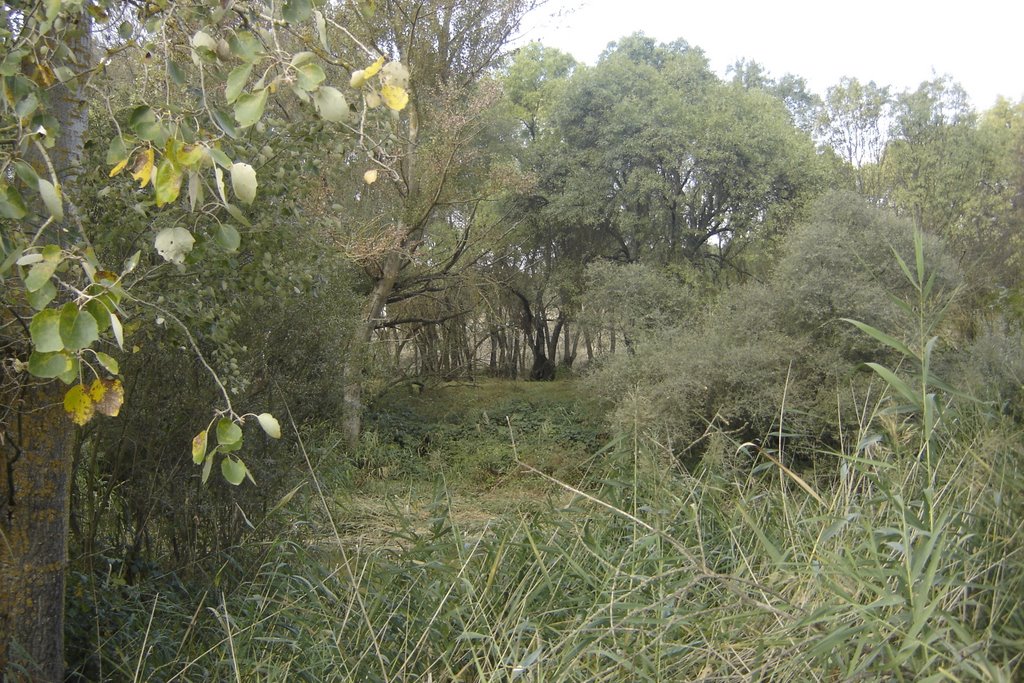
353,373
35,507
37,442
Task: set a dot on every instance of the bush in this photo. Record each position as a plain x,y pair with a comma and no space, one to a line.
771,358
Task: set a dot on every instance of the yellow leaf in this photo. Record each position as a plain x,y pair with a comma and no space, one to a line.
396,98
97,391
371,71
78,404
370,176
117,169
143,169
108,395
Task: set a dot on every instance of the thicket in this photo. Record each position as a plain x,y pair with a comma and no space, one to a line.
776,357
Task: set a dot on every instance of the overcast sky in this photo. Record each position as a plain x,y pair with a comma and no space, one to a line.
980,43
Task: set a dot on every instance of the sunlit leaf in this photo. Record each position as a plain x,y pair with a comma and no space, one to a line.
243,182
51,197
245,46
331,104
195,190
236,82
233,470
394,97
118,330
321,28
79,405
39,275
174,244
310,76
270,425
249,108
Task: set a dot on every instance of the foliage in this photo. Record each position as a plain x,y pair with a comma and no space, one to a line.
772,357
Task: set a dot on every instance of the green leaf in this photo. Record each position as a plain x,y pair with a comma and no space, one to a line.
321,29
175,72
224,123
49,365
52,199
199,446
167,182
45,331
245,46
331,104
39,275
117,151
896,383
78,329
249,108
41,298
237,214
877,334
270,425
310,76
236,82
297,11
233,470
300,58
222,159
243,182
27,174
195,190
227,237
109,363
229,435
118,330
208,466
12,206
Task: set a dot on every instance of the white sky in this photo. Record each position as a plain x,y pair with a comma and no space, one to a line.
980,43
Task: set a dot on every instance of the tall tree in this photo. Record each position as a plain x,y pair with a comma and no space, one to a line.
854,122
447,46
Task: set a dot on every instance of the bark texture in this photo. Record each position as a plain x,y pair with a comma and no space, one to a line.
34,479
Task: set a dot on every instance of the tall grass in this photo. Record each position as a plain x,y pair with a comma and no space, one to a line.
897,556
871,568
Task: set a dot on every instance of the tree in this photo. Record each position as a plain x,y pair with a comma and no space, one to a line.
448,46
64,308
950,175
854,123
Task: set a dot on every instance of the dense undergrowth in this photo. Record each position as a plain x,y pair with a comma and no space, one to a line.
890,552
876,564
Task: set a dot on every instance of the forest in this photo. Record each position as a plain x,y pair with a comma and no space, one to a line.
356,341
